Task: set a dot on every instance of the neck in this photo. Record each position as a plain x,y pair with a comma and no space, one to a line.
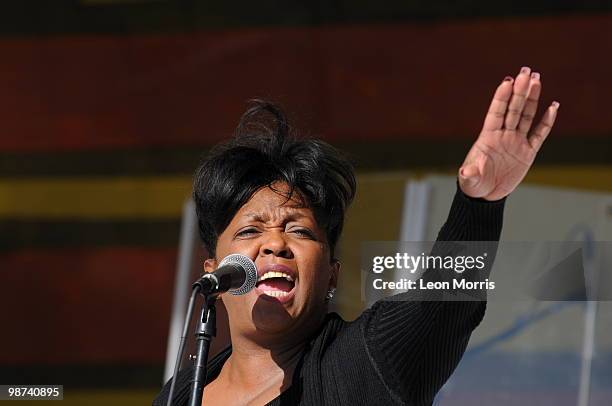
254,366
264,361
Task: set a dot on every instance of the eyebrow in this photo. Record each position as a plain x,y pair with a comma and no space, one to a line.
263,218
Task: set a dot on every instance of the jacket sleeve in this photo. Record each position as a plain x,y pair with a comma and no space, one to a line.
416,345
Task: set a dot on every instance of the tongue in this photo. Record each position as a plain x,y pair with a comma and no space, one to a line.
274,284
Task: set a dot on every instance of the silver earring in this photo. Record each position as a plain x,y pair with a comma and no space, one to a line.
330,294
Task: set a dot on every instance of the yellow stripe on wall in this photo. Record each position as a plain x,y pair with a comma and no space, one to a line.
595,178
93,198
99,397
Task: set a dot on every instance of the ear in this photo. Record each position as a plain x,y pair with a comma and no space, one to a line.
210,265
334,272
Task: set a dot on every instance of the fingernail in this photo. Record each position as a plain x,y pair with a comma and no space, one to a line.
508,79
556,104
535,76
525,69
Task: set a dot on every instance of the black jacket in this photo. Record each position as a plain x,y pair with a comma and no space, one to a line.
396,352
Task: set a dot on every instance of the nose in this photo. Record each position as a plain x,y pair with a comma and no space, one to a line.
275,244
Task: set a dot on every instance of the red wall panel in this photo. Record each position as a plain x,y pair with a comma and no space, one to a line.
86,305
430,79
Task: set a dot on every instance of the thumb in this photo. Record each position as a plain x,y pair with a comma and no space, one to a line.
469,175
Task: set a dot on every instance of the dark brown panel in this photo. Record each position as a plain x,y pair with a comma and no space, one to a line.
61,17
367,155
36,234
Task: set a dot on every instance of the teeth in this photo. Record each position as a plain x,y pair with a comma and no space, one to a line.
275,293
269,275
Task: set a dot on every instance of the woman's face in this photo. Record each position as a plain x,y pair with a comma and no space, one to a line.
293,261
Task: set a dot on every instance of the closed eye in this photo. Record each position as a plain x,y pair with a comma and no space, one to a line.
247,232
304,232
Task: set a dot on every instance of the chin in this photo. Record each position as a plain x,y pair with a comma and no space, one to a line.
271,317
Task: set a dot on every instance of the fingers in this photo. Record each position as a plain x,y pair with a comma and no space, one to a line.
518,100
539,134
497,110
531,105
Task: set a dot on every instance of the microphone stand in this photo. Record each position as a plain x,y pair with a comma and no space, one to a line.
235,271
179,355
205,331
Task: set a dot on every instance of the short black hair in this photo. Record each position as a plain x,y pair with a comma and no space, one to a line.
265,150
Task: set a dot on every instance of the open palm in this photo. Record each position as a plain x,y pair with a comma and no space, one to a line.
505,149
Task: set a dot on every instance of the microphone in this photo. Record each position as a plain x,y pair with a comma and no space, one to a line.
236,274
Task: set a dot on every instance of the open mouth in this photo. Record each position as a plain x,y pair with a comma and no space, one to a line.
275,284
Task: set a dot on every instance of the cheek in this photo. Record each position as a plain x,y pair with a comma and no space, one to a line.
244,247
314,268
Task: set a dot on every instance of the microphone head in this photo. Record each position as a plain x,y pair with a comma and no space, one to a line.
249,268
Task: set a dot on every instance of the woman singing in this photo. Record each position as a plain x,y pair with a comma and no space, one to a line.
281,201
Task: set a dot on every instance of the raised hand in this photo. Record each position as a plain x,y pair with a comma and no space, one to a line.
505,149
